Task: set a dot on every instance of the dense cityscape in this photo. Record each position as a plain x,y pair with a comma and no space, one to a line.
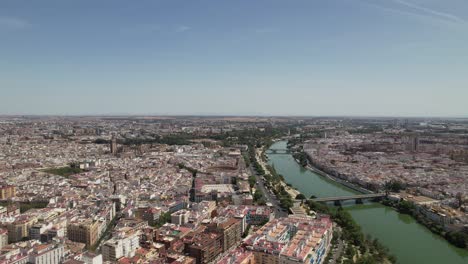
201,189
233,132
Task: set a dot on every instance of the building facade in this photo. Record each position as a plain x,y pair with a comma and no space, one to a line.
84,232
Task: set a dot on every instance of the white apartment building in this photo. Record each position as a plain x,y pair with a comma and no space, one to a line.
116,248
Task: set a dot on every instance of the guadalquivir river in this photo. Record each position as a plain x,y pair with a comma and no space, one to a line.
409,241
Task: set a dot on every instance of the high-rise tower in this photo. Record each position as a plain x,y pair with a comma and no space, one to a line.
113,145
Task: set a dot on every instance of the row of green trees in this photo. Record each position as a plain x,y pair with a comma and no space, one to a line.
253,160
252,181
259,198
273,180
251,137
301,156
295,145
394,186
256,137
458,239
106,233
275,183
173,139
371,250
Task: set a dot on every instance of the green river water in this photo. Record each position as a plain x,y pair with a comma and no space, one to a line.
409,241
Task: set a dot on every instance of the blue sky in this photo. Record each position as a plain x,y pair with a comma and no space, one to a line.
246,57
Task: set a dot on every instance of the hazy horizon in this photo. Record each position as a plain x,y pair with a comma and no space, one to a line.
233,115
374,58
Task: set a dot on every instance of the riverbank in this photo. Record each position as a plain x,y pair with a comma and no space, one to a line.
457,239
261,156
338,180
357,248
409,241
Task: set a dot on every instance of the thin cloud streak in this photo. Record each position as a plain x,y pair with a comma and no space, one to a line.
413,10
428,11
13,23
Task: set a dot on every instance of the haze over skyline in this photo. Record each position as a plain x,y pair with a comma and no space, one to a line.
275,57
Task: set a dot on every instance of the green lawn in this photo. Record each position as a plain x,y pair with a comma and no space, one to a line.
63,171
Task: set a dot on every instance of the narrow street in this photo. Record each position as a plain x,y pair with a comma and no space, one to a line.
260,185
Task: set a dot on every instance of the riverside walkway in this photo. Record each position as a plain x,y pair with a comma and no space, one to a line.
350,197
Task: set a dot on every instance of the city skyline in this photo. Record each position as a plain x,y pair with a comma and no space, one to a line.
234,190
267,58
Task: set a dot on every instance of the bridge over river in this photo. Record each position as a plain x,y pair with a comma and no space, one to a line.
409,241
358,197
278,151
